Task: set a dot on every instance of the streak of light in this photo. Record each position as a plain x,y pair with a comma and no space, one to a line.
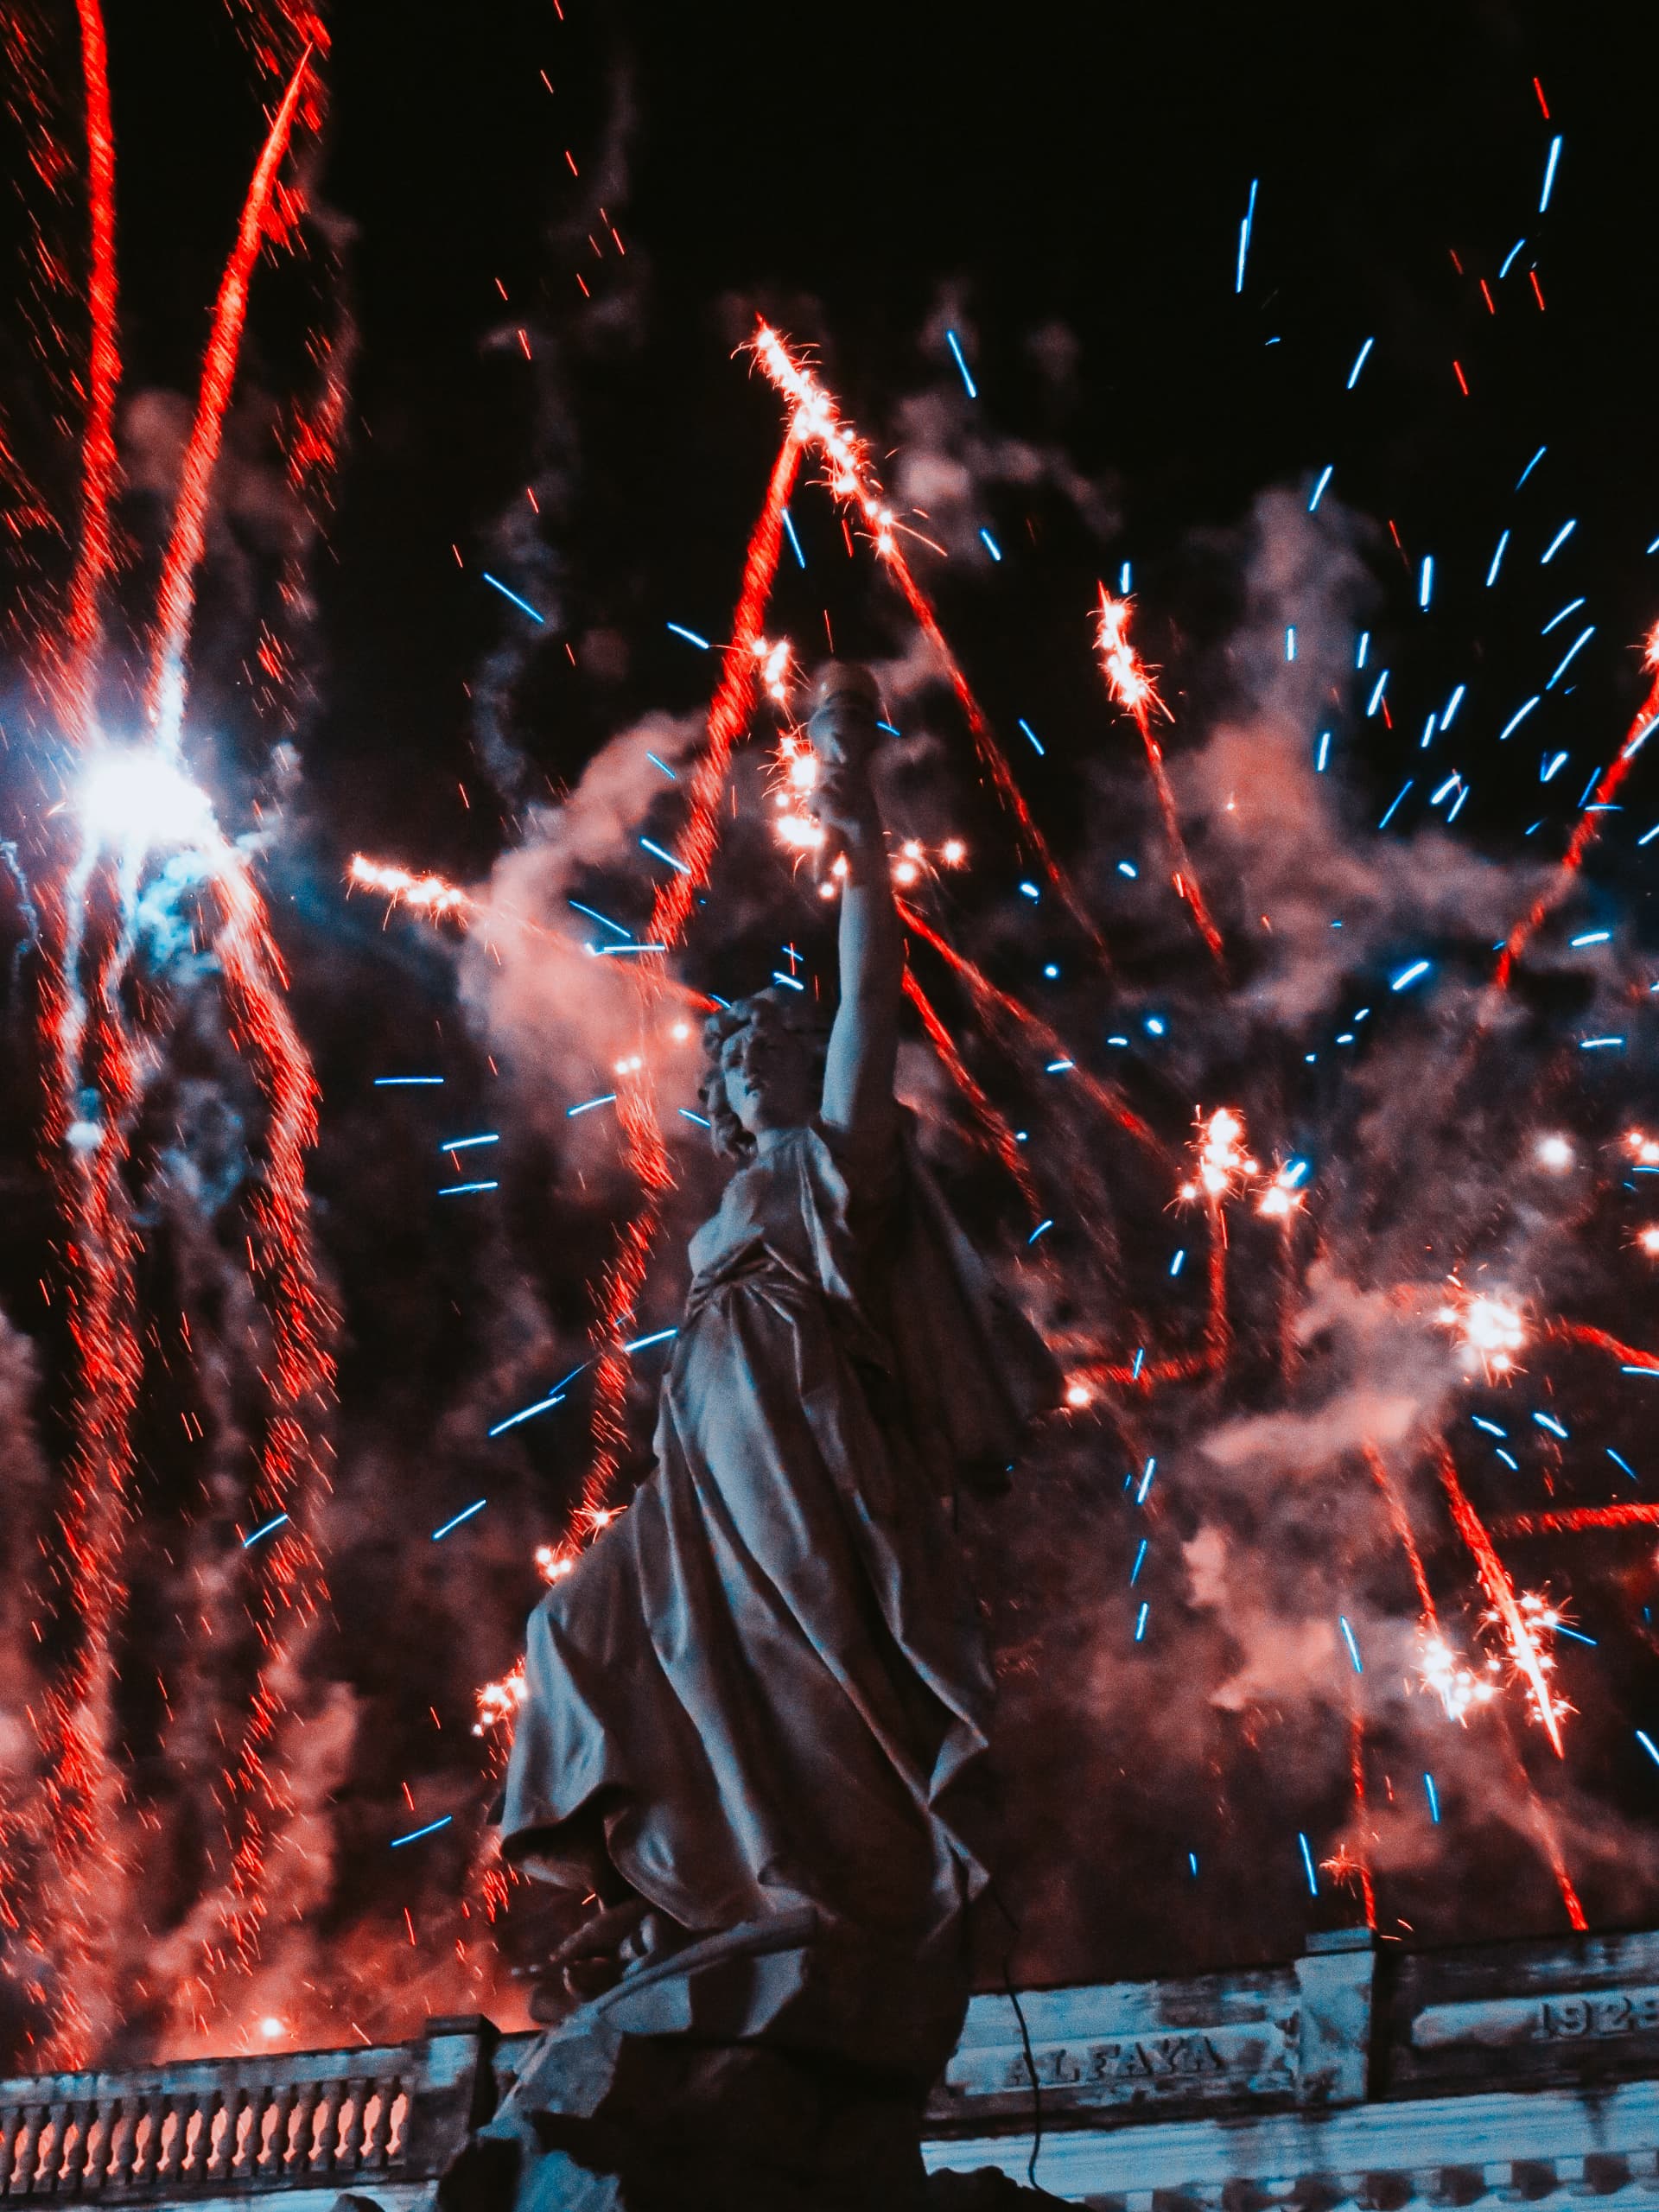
523,605
955,344
415,1834
465,1515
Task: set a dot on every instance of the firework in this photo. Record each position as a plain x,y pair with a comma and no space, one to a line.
176,597
1133,689
426,894
1460,1688
133,802
1491,1329
1589,825
817,421
625,1273
1519,1623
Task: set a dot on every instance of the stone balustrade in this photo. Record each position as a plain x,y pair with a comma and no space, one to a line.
1350,2080
328,2121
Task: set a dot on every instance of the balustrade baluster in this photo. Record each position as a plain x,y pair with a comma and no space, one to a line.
94,2156
358,2089
398,2145
71,2146
293,2127
322,2154
124,2141
167,2150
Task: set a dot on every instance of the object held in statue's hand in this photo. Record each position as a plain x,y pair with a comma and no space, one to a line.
846,706
842,724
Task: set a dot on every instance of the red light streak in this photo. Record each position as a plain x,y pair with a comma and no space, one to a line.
1495,1580
1357,1769
1401,1522
624,1272
175,599
987,994
1584,834
818,421
96,551
1582,1332
1132,687
1573,1521
997,1128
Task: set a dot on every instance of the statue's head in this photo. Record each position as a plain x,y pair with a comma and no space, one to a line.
763,1068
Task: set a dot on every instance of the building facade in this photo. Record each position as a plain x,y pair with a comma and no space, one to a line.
1354,2077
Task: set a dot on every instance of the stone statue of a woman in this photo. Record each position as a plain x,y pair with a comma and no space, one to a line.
762,1691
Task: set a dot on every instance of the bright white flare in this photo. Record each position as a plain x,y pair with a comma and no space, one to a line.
1456,1684
1223,1166
1490,1330
134,799
1554,1153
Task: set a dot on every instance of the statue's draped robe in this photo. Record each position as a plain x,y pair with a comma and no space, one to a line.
764,1686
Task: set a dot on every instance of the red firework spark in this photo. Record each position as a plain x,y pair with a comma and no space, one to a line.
728,714
1357,1769
1587,831
1572,1521
293,1587
82,1797
1495,1580
81,1791
1544,1829
175,600
818,421
1106,1095
1582,1332
1401,1521
996,1127
77,699
1132,687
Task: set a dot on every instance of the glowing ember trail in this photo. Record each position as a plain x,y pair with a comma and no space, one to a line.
429,894
1582,1332
728,714
1543,1829
76,694
292,1586
987,997
996,1127
175,600
1522,1647
818,421
1356,1769
1572,1521
133,804
1402,1523
1133,689
1588,828
1223,1168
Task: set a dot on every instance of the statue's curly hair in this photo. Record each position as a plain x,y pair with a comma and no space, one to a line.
783,1009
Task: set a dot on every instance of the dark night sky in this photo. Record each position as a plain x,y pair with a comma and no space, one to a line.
1078,172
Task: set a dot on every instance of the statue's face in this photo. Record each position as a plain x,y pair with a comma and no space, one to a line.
768,1071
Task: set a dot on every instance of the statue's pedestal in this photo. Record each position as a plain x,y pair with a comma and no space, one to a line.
723,2080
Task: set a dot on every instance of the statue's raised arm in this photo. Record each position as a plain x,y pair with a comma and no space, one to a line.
864,1041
